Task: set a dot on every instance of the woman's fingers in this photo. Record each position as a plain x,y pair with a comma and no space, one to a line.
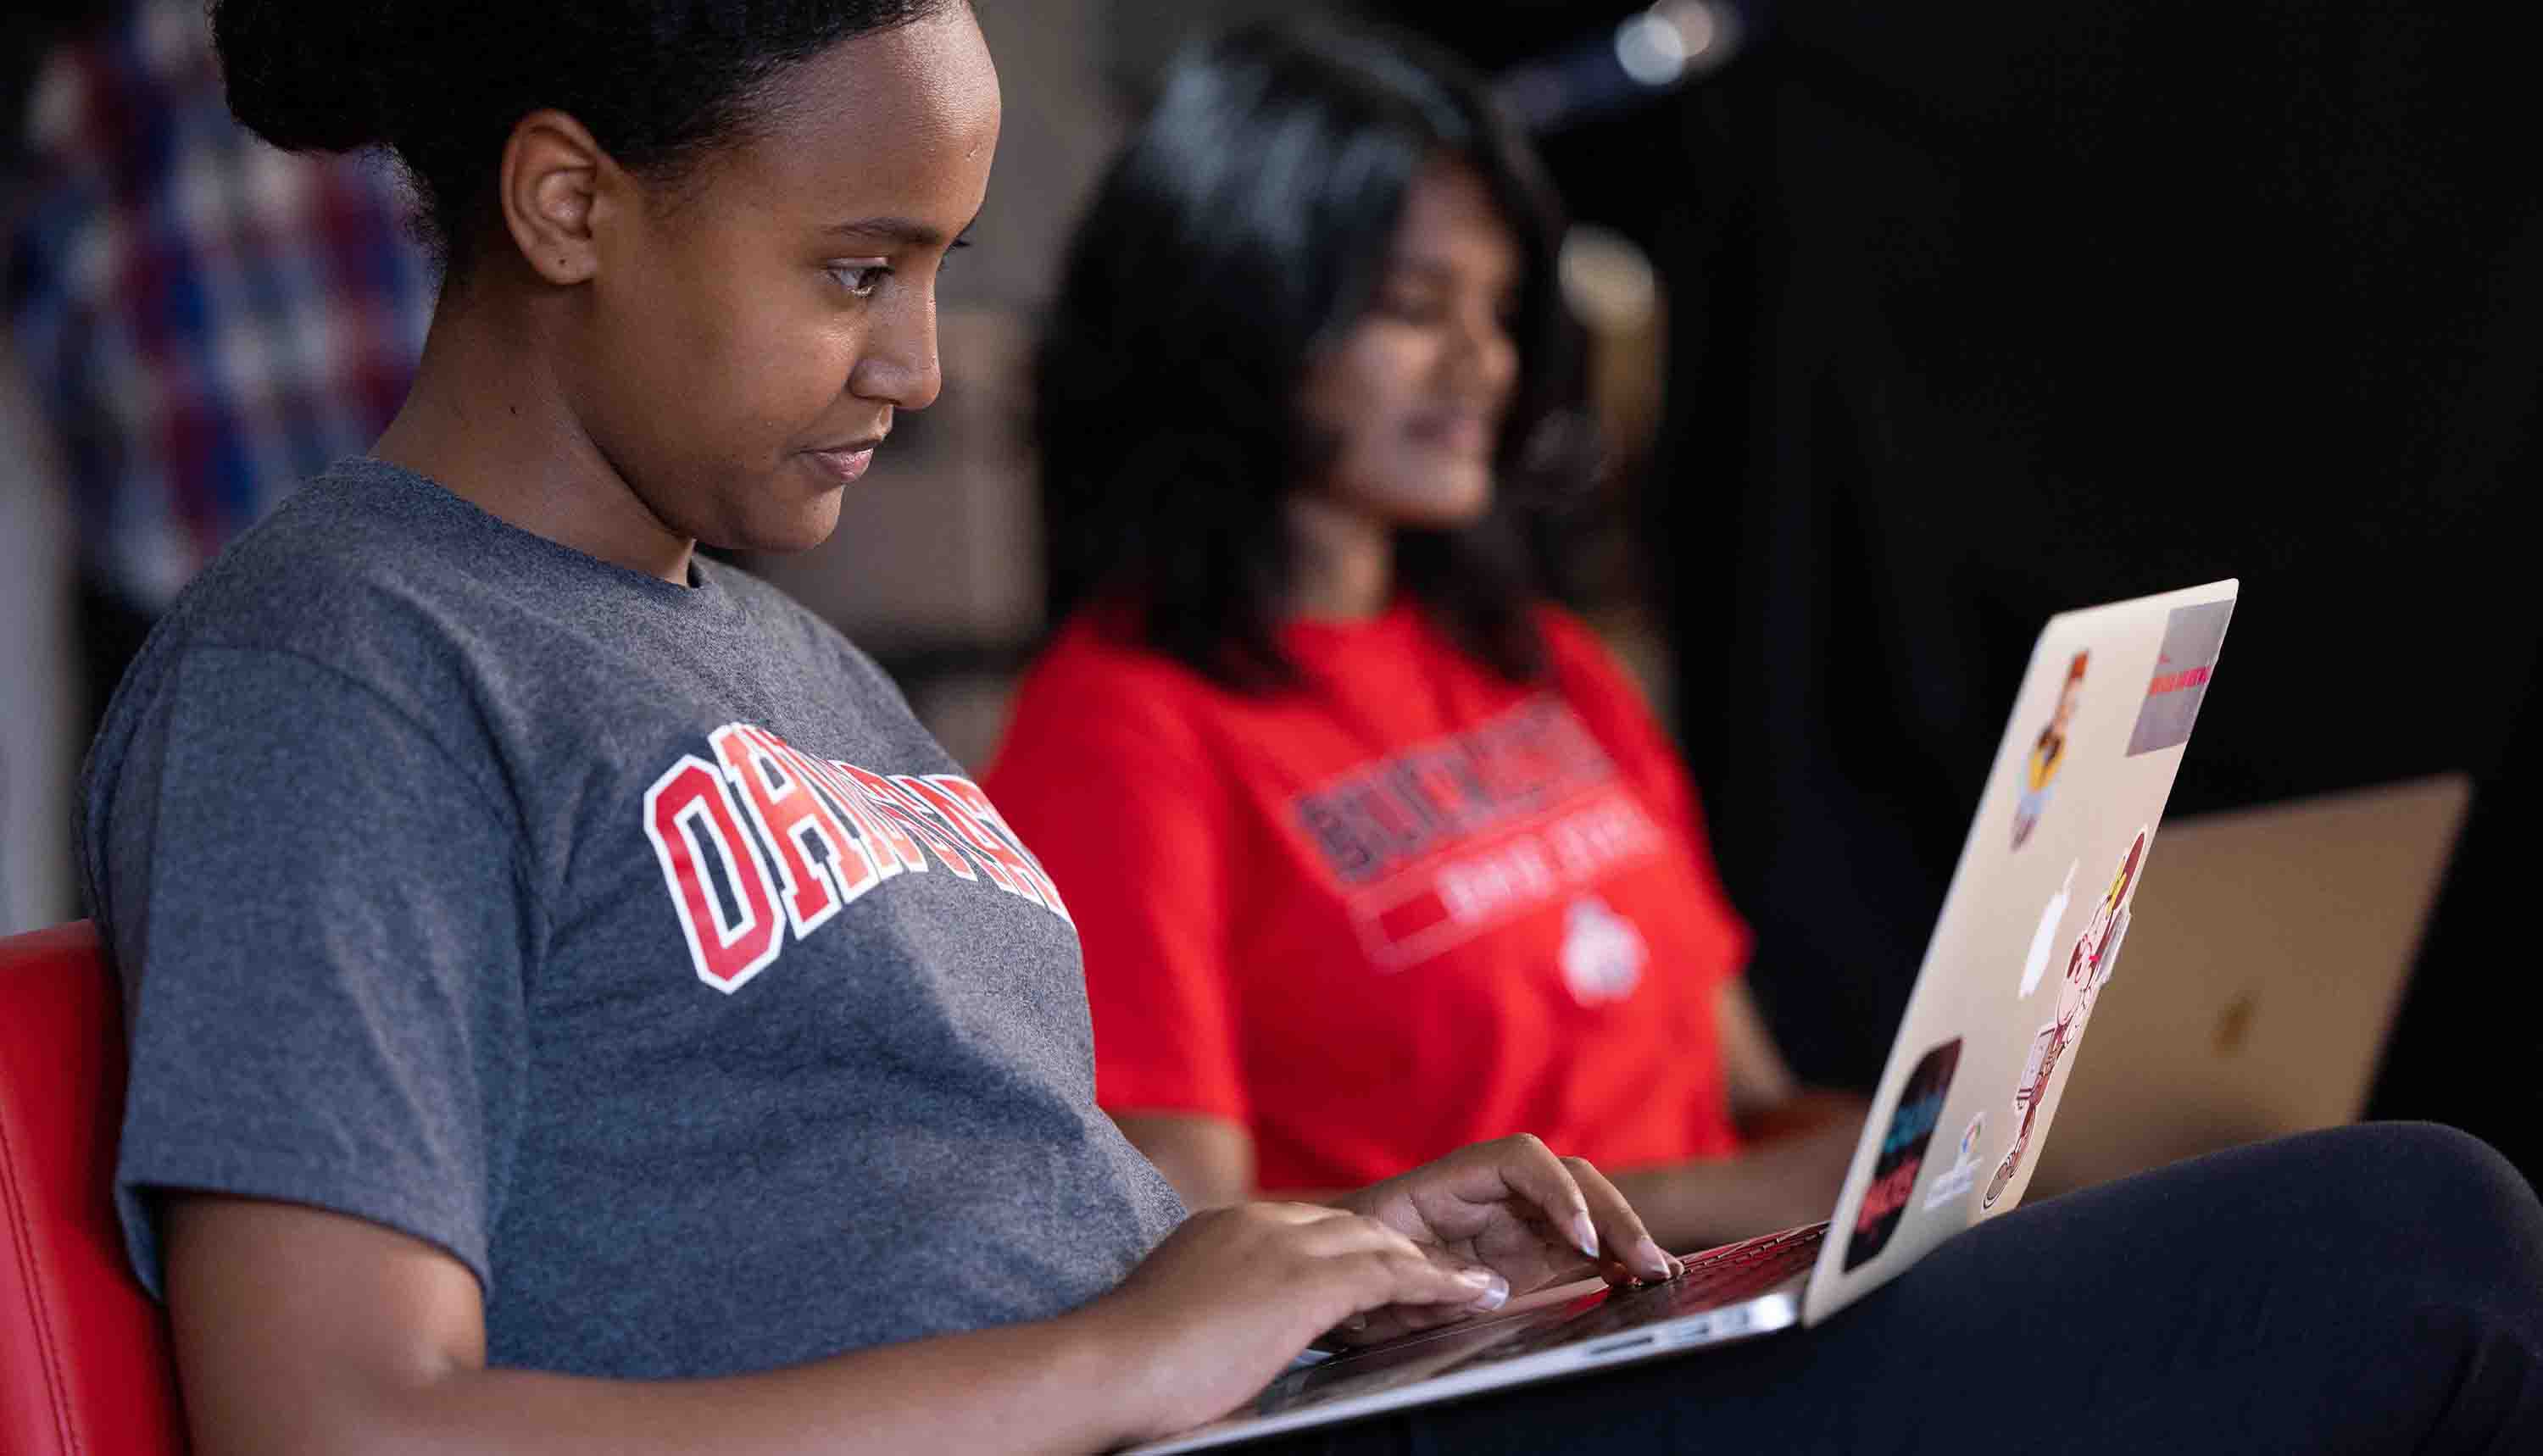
1529,1169
1396,1292
1394,1285
1397,1321
1623,1240
1513,1203
1383,1269
1578,1200
1417,1291
1302,1213
1413,1278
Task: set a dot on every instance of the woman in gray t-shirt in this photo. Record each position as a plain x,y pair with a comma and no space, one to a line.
574,1006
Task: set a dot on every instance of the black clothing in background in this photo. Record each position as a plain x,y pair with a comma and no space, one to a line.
1977,327
1982,314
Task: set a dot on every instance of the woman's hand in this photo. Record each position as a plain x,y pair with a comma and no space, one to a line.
1515,1207
1226,1302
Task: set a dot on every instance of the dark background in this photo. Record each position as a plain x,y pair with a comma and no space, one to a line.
1984,314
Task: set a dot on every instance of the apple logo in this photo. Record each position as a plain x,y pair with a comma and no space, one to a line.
2035,964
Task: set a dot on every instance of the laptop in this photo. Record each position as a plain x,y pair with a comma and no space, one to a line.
2028,939
2274,947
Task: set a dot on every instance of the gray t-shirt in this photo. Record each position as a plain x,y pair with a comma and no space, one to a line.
629,941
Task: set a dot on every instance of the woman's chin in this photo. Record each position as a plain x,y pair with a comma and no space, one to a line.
1429,496
802,525
1453,505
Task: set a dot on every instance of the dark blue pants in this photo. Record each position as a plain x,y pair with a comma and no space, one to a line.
2374,1288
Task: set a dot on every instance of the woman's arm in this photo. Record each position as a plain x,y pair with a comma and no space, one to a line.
1210,1160
302,1331
1789,1174
1797,1141
298,1330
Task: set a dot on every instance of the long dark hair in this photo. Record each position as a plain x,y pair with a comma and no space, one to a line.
441,86
1242,228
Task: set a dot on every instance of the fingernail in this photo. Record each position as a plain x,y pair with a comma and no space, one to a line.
1652,1255
1478,1277
1495,1294
1355,1323
1584,1234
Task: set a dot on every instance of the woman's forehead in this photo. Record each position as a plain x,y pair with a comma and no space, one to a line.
1451,218
899,123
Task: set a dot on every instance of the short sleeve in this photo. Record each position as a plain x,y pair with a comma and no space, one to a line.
1108,790
318,917
1607,699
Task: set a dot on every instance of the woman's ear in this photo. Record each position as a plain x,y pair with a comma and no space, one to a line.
551,191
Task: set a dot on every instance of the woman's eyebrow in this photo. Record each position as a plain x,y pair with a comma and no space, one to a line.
1434,267
903,230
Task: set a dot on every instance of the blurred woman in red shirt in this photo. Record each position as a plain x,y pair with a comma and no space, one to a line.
1373,851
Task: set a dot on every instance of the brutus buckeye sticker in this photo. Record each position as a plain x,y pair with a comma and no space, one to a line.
2087,971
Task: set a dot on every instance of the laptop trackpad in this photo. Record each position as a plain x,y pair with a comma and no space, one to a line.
1584,1311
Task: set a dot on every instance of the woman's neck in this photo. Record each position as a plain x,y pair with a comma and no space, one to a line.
489,419
1346,559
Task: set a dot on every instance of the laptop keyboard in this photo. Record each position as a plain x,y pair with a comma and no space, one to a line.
1714,1278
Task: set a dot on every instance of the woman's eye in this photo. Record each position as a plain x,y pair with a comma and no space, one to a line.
859,279
1412,308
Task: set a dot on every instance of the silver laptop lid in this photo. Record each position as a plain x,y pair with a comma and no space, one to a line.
2030,931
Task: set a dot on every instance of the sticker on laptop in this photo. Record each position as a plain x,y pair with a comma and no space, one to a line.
2048,755
2087,969
1953,1183
2044,939
2191,639
1902,1153
2109,959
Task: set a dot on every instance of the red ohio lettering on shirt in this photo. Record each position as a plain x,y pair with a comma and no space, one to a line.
688,814
810,834
790,811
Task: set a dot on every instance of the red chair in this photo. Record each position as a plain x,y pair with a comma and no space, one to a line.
84,1363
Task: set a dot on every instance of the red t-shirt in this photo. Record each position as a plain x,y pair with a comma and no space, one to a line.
1412,906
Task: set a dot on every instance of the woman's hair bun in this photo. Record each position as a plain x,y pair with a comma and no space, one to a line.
442,85
303,74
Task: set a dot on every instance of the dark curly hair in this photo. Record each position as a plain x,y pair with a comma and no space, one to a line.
1244,228
441,86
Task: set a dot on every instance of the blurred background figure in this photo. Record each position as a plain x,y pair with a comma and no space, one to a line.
1906,330
1970,319
1372,851
199,322
207,319
1973,319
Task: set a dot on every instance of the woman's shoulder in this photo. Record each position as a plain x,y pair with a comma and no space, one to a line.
1097,691
333,586
1616,686
1100,652
1581,658
327,577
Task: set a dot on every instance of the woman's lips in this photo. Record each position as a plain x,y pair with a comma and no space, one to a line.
847,462
1461,432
